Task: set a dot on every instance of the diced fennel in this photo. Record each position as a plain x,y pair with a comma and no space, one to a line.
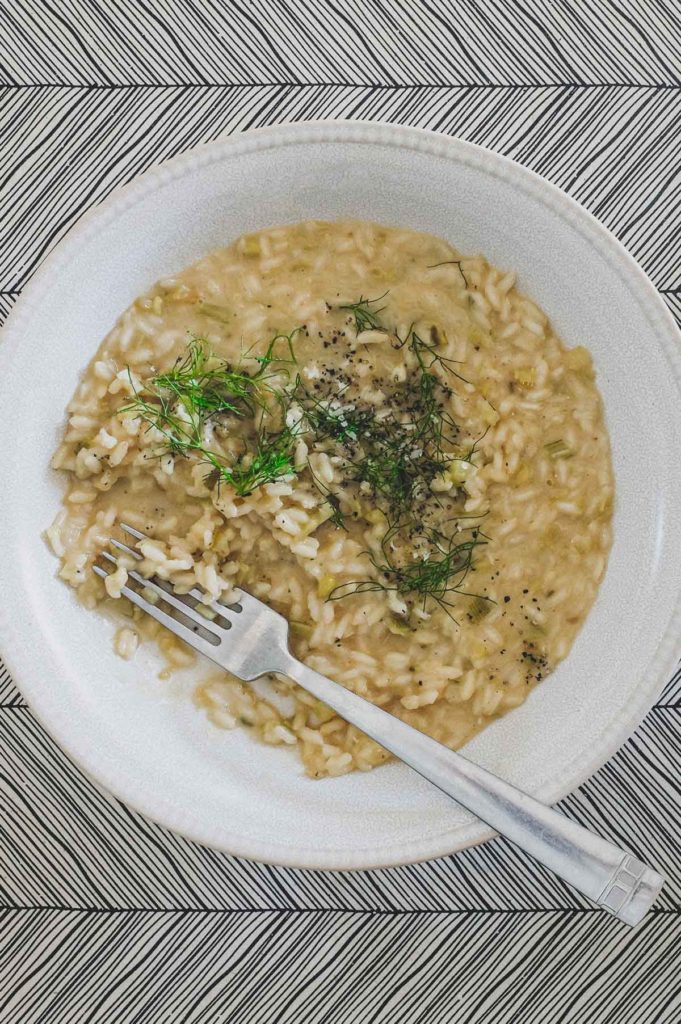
579,360
325,585
321,515
605,504
478,337
490,414
477,651
219,313
479,608
322,712
398,626
251,247
558,450
302,629
437,336
525,377
458,471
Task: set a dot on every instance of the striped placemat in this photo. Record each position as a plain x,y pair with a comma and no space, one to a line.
109,918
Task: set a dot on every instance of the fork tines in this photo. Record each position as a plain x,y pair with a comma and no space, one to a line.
177,613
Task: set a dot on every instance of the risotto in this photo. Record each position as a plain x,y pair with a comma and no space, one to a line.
379,437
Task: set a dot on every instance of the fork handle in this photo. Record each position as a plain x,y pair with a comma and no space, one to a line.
611,877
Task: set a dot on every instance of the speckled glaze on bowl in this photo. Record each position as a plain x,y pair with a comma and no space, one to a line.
143,739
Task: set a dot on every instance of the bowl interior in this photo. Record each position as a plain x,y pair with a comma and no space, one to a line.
143,738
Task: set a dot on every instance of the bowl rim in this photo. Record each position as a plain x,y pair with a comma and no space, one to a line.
16,654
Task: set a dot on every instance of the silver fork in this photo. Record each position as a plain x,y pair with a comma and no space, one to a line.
249,639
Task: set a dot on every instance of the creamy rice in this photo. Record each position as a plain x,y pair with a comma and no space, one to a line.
520,488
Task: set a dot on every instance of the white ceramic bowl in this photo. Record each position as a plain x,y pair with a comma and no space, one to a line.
143,739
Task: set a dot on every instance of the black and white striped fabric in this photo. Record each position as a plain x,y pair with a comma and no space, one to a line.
109,918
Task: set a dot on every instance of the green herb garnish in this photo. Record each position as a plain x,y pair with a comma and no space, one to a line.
272,460
455,263
436,576
366,318
329,498
181,403
328,418
204,386
427,355
393,455
400,455
270,354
